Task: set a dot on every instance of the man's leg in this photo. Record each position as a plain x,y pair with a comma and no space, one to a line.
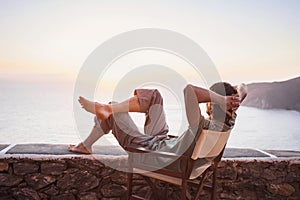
85,147
145,101
151,103
120,122
103,111
100,128
122,126
103,125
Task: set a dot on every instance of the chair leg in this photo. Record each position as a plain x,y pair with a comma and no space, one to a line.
214,179
197,195
183,189
129,179
166,191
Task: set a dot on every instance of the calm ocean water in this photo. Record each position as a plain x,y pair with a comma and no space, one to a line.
43,113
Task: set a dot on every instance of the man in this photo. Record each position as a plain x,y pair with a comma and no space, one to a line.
222,101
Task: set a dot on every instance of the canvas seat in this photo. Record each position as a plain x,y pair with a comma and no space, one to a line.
210,145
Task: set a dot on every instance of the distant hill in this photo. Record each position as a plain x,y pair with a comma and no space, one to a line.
275,95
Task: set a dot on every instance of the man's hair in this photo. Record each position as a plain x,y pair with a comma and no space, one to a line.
224,89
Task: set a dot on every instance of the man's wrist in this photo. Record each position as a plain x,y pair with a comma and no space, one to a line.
218,99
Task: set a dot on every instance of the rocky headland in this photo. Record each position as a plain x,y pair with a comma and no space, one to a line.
275,95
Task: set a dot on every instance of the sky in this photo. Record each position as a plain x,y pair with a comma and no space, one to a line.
248,40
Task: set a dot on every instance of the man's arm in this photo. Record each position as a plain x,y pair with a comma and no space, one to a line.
194,95
226,102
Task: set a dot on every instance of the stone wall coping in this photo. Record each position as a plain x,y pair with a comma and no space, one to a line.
114,153
55,157
290,159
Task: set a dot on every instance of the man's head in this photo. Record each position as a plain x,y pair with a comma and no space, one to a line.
213,110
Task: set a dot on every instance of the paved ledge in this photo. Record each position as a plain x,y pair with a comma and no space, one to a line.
3,146
61,149
284,153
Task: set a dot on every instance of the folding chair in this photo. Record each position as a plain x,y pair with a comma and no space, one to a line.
210,144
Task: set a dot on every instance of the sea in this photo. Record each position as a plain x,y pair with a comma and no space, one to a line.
42,112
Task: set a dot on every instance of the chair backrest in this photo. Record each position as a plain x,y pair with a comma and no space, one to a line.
210,144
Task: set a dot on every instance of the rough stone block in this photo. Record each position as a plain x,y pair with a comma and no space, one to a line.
23,168
91,165
81,180
64,197
279,166
250,170
88,196
227,173
228,195
284,189
26,193
268,174
4,167
107,172
8,180
119,177
113,190
51,190
53,168
5,193
116,198
38,181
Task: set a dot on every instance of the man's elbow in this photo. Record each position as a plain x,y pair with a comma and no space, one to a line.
187,88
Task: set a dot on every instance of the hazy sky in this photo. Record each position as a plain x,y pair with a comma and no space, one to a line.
248,40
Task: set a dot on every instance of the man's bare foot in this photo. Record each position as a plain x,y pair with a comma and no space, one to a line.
80,148
87,105
102,111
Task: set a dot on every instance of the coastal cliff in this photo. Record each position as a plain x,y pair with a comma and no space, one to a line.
275,95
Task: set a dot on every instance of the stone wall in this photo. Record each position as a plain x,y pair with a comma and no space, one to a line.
87,178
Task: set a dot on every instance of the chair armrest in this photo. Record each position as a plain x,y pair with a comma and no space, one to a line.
157,153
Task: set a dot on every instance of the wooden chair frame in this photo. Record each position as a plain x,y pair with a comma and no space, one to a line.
171,176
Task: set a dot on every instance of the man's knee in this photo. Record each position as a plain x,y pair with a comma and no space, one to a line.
157,96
